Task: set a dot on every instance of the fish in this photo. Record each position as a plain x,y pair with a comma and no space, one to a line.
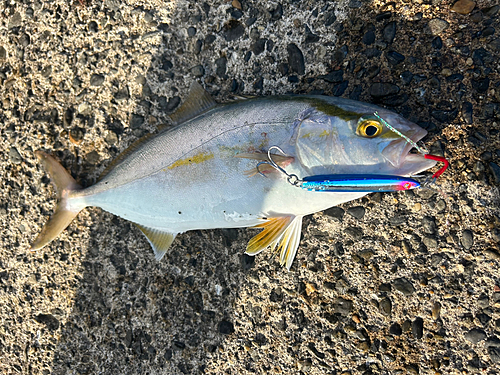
204,173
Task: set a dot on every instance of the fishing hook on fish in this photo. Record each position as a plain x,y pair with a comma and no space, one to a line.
291,178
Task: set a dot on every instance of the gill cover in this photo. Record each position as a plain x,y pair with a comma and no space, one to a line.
317,142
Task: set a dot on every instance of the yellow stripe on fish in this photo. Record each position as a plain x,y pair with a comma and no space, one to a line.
195,159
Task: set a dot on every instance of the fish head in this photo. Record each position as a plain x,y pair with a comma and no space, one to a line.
341,136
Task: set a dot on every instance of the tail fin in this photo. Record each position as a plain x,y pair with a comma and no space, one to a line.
64,184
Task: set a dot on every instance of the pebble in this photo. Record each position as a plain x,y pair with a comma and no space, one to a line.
191,31
311,38
366,254
406,77
16,20
404,286
355,233
394,58
430,242
336,76
198,71
495,171
397,220
330,18
495,234
226,327
463,6
440,205
494,353
221,66
295,59
437,26
84,109
385,306
50,321
357,212
395,329
304,365
96,80
492,254
382,89
475,335
355,4
437,43
236,4
383,16
467,239
3,53
368,38
491,11
136,121
14,156
122,94
76,135
466,112
417,328
92,157
429,225
111,138
335,212
93,27
436,310
406,247
481,85
389,32
233,30
343,306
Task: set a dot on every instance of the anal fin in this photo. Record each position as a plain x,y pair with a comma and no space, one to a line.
160,240
283,232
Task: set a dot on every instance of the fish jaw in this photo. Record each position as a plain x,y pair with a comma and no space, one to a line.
398,154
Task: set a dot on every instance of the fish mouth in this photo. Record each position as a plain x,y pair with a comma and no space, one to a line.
398,154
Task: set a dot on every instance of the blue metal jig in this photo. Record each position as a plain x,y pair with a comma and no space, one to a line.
343,182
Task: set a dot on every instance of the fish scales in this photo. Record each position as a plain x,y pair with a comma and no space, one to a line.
198,175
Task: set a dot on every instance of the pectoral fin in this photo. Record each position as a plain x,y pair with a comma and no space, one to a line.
283,232
281,160
160,240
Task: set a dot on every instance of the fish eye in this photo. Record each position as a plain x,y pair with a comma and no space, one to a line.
369,128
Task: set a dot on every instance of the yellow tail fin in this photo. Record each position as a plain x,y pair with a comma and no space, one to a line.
64,184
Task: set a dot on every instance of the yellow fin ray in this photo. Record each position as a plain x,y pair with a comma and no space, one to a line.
289,243
273,229
281,232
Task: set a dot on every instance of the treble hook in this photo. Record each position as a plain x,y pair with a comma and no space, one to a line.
291,178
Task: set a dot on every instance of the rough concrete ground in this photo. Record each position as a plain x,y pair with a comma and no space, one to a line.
389,284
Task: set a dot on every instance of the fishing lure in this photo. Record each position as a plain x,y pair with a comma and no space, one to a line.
346,183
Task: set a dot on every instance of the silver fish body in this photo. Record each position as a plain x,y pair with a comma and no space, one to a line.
202,173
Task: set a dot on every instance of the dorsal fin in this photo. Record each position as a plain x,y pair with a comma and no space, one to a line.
133,146
197,102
